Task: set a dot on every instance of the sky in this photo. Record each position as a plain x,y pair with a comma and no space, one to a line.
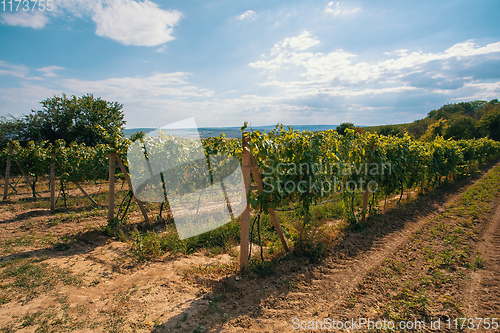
224,62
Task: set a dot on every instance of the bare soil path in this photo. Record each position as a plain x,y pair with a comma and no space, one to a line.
483,296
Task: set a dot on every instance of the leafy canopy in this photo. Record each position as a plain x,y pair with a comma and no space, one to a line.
85,119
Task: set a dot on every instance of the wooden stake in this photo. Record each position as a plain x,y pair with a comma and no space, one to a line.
53,180
248,167
26,179
367,192
13,187
86,194
7,173
365,203
228,204
129,182
111,189
245,216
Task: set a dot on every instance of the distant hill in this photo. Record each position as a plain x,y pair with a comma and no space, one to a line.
464,120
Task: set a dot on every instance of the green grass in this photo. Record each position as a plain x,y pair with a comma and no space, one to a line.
27,278
446,246
149,244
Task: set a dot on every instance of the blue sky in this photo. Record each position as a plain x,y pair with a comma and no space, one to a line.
225,62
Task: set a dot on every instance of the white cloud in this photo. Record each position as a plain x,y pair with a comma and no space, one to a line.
48,71
13,70
36,20
334,80
458,51
344,68
285,52
135,23
130,22
339,9
77,8
248,15
469,48
161,49
21,99
171,85
480,91
299,43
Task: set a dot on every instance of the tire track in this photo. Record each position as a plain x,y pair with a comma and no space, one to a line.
482,295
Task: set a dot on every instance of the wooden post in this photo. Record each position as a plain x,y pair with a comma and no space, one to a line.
248,167
367,191
129,182
53,180
245,216
7,173
365,203
111,189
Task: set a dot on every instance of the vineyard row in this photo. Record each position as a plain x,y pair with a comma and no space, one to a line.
289,160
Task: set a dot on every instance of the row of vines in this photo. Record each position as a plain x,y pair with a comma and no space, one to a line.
74,162
304,168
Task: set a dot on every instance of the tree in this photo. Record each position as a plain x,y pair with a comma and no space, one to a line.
461,127
75,119
463,108
388,130
490,123
10,129
418,127
342,128
436,129
83,119
137,136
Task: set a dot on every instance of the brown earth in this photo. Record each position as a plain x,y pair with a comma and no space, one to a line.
198,292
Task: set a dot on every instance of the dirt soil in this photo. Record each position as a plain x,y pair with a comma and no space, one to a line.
198,293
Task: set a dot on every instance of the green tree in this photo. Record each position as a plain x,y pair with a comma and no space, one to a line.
490,123
137,136
344,126
83,119
388,130
434,130
461,127
74,119
10,129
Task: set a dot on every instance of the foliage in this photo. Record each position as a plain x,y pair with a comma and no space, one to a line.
137,136
490,123
434,130
72,119
464,120
308,167
341,129
461,127
389,130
